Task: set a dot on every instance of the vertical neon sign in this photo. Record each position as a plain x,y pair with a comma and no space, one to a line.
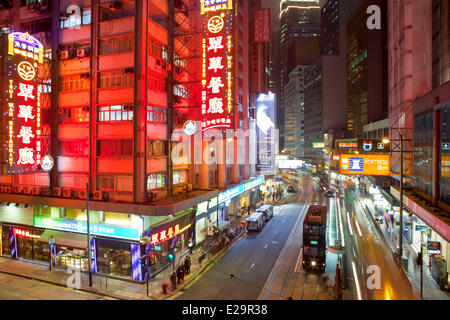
217,65
25,55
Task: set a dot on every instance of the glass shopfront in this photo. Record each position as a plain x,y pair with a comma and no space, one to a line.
114,258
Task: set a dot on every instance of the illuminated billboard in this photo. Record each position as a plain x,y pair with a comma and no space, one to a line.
215,5
265,130
318,145
445,167
23,102
217,69
372,165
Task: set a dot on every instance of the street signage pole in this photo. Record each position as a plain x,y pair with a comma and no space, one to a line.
400,252
88,235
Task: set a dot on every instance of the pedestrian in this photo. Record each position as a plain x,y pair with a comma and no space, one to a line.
273,197
248,210
173,280
187,264
179,276
191,245
185,267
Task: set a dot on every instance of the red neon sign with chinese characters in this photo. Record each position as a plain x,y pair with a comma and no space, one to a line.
25,55
165,234
24,233
217,70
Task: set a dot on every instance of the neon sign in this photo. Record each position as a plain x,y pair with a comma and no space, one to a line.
24,233
217,66
166,234
215,5
23,101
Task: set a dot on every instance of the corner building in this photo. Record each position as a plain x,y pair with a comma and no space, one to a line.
118,80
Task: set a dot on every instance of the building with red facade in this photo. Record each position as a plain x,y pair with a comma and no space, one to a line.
117,82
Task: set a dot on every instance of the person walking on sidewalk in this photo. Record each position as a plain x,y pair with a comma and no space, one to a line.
191,245
187,265
179,276
173,280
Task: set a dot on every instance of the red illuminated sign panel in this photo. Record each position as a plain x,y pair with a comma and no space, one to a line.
335,157
24,233
262,25
165,234
217,70
23,102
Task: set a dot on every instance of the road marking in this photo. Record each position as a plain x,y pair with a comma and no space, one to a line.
275,242
357,227
358,289
265,246
349,224
296,269
252,265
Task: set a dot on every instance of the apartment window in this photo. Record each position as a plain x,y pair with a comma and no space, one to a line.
73,83
116,45
86,16
180,91
73,114
156,114
115,148
156,180
118,79
115,113
156,83
74,148
107,182
156,49
156,148
179,177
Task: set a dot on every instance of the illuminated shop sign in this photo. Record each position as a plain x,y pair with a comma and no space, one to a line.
335,157
167,234
376,165
215,5
318,145
81,227
348,145
217,68
24,233
233,192
23,103
445,167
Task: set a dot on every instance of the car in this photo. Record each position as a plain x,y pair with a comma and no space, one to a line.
379,220
291,189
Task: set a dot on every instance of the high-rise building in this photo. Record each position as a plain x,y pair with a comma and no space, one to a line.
326,93
294,112
366,69
117,82
299,39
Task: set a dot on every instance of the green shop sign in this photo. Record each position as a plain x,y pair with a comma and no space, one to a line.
81,227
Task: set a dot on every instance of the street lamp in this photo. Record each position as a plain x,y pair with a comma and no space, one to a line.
386,140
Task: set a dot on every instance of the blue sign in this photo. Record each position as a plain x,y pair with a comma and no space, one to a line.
356,164
233,192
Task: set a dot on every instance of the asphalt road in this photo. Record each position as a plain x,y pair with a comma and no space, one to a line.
251,259
18,288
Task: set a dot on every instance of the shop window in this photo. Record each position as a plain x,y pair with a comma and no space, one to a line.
115,148
157,148
114,258
115,113
155,181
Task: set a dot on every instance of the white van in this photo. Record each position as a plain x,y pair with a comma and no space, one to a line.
256,221
267,210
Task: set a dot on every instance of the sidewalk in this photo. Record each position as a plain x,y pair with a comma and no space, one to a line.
114,288
431,290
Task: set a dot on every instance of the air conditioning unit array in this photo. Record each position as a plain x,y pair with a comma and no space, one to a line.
36,191
153,196
100,195
7,189
57,192
81,193
64,54
18,189
188,188
45,191
81,53
68,193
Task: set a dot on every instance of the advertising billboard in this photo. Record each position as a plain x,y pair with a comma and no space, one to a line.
372,165
218,103
265,131
374,146
22,104
318,145
262,25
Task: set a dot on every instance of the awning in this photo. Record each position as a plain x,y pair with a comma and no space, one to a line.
65,239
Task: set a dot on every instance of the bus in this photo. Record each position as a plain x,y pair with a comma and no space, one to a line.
315,238
256,221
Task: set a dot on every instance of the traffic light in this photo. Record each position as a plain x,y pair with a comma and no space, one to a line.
144,262
171,256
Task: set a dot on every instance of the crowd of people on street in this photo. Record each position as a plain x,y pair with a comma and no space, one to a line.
178,275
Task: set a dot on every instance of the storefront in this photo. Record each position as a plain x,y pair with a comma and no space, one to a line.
169,237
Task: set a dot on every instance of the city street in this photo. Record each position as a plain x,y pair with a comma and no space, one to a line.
18,288
253,257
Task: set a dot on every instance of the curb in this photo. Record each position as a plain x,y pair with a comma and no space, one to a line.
211,261
57,284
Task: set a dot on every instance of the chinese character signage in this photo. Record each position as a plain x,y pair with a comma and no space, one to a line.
375,165
262,25
23,102
215,5
217,66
